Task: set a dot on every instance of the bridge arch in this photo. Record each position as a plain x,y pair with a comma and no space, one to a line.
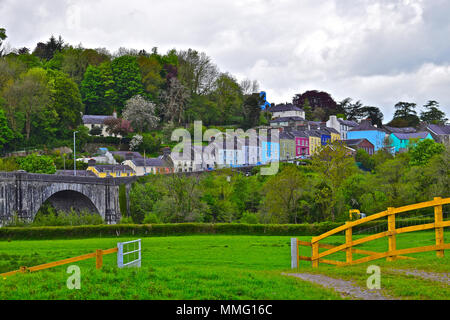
66,200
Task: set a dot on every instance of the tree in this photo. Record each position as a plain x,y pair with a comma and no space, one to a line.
2,38
173,101
228,97
334,164
67,102
151,75
98,90
6,134
248,87
318,99
423,151
141,114
127,79
432,113
35,95
282,195
374,114
405,115
196,71
47,50
118,126
37,164
252,110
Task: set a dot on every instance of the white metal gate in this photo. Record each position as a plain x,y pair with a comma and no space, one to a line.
129,254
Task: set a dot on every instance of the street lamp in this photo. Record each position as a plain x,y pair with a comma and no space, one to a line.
74,155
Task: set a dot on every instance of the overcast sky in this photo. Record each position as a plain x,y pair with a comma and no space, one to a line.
376,51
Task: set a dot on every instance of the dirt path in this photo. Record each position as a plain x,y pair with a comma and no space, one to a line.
347,289
439,277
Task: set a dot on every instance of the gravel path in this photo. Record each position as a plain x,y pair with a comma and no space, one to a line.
439,277
345,288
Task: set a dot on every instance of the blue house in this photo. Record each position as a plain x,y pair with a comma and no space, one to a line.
325,137
365,130
401,141
270,151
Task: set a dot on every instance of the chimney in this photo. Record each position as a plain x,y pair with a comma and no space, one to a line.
333,118
114,114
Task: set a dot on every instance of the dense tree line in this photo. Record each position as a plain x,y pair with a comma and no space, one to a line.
323,190
43,92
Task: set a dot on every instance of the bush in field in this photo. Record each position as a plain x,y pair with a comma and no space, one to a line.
249,218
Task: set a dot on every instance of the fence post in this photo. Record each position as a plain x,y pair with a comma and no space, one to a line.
348,241
294,253
392,237
315,253
99,258
438,218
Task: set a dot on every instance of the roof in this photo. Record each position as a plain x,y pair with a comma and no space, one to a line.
406,136
355,142
439,129
331,130
284,108
92,119
123,154
366,125
313,133
286,136
287,119
299,134
150,162
348,123
399,130
112,168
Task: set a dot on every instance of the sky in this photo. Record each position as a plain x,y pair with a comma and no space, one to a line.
377,51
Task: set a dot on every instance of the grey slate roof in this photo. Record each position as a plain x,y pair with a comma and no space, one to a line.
439,129
93,119
348,123
355,142
135,155
284,107
150,162
286,119
366,125
406,136
399,130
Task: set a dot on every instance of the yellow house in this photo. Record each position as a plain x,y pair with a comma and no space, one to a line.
115,171
315,141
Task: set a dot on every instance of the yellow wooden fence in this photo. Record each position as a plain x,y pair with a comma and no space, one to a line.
392,253
98,255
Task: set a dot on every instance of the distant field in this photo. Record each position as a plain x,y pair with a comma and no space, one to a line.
203,267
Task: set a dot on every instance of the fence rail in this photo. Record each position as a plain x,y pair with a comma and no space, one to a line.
392,253
98,255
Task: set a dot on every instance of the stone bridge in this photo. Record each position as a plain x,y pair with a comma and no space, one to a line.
24,193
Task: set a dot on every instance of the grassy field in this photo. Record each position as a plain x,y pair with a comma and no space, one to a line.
205,267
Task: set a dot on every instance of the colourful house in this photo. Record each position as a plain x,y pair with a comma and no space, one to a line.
366,130
401,141
314,141
287,146
270,151
301,143
325,137
114,171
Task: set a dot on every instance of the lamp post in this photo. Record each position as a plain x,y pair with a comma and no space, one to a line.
74,155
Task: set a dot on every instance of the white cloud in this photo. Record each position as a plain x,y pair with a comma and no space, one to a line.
378,51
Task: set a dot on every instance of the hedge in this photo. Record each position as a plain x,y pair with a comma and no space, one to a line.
184,229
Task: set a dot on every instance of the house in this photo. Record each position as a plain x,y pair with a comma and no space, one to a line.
365,130
252,150
270,148
341,126
192,161
301,143
287,122
148,166
334,134
96,122
229,151
325,137
401,141
440,133
103,157
115,171
315,141
287,146
360,144
286,110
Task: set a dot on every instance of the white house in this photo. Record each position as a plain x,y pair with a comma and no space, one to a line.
95,121
342,126
286,111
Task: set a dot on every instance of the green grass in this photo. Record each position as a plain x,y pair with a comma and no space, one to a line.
204,267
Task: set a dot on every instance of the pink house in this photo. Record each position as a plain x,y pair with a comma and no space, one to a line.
301,143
